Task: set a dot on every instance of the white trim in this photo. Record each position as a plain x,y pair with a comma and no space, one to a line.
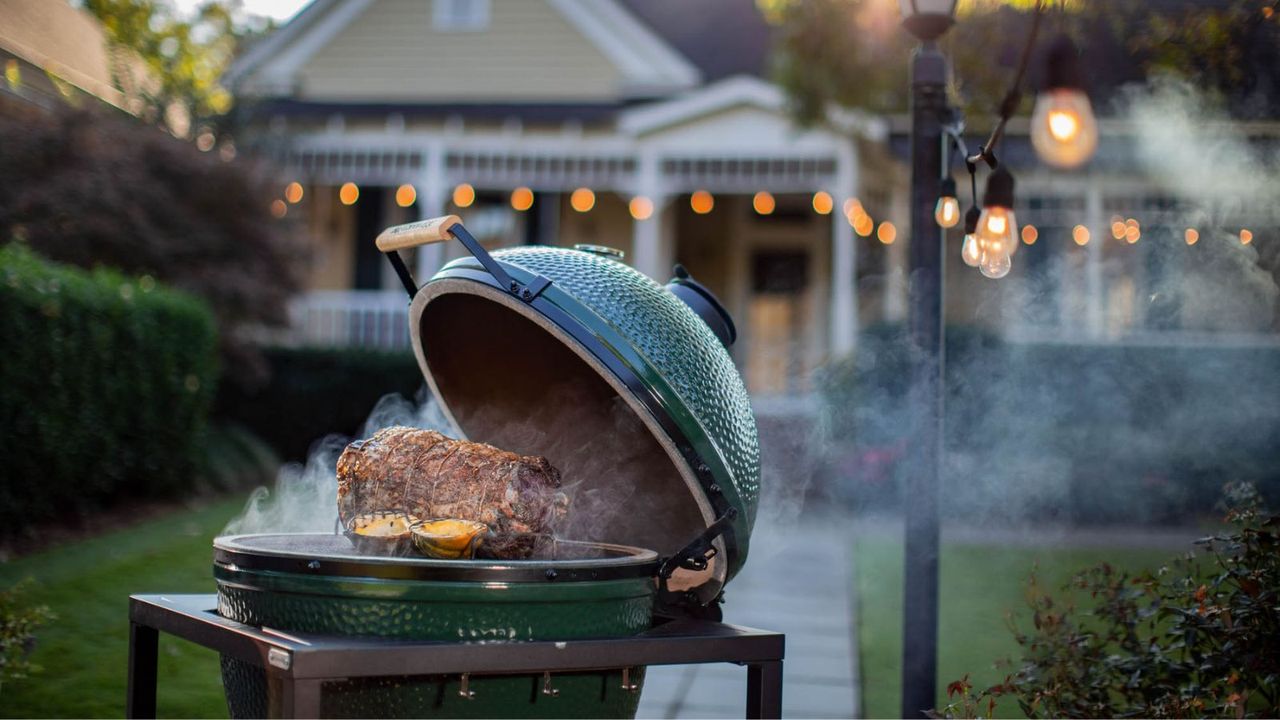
268,46
732,92
274,70
649,65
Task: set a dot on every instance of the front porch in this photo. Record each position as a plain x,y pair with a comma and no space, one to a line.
719,182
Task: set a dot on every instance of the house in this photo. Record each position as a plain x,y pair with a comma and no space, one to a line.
650,126
565,121
53,53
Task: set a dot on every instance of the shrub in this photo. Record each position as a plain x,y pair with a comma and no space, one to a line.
1197,638
316,392
104,389
18,623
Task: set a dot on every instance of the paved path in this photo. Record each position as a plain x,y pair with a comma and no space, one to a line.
798,580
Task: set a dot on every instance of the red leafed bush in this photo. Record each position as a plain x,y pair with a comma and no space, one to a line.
91,188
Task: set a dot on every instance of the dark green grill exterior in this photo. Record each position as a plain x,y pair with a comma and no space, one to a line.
435,610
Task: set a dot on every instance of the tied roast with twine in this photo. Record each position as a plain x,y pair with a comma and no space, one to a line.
428,475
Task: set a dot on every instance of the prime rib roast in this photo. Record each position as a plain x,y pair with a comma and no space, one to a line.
429,475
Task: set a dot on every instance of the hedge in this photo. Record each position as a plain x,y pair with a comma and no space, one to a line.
105,389
1084,433
317,392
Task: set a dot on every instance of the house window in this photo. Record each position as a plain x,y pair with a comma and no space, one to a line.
461,15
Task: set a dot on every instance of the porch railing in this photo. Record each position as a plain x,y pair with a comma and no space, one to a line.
375,319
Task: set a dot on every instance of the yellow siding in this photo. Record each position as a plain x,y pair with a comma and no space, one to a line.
392,53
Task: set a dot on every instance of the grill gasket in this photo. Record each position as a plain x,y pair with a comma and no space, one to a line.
238,552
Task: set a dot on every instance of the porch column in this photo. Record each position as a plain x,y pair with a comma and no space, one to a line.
431,196
844,259
1098,232
646,235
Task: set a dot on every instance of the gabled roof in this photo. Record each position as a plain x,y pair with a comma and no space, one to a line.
648,65
721,38
730,93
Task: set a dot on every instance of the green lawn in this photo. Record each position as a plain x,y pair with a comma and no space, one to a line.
87,584
979,585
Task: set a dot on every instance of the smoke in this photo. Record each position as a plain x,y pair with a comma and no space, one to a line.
1224,182
1118,382
305,497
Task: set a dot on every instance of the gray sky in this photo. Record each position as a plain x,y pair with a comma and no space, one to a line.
278,9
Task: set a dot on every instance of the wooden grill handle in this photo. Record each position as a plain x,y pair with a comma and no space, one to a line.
423,232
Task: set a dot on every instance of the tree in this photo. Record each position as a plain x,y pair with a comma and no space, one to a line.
183,58
852,52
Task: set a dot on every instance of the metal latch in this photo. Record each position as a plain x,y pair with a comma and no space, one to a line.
697,554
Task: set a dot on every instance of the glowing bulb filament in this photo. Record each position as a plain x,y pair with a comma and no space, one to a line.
1063,125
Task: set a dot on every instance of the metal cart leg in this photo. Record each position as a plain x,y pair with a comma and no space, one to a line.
143,654
300,698
764,689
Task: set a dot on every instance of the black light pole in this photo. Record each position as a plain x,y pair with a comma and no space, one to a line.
927,20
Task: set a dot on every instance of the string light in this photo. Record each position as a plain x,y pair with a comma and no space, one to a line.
349,193
763,203
1080,234
851,208
822,203
1246,237
464,195
1132,231
521,199
887,233
406,195
970,253
278,208
641,207
582,200
702,202
1117,227
1030,234
1064,131
1192,236
293,192
947,211
863,225
997,226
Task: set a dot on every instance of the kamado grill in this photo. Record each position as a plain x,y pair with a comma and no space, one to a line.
624,385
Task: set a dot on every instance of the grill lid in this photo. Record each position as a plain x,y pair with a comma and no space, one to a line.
575,356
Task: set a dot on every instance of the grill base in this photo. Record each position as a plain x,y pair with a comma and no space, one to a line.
579,695
300,665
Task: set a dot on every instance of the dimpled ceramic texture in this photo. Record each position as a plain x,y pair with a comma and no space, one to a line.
680,349
434,610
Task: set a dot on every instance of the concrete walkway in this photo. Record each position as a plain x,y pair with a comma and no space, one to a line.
798,580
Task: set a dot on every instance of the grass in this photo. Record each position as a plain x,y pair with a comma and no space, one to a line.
87,584
980,584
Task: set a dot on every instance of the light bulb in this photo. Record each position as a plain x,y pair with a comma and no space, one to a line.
947,213
1063,129
998,226
970,253
997,238
996,266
